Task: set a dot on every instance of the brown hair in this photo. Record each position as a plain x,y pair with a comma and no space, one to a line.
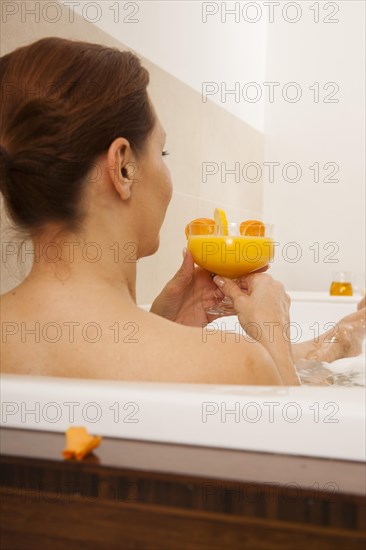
62,104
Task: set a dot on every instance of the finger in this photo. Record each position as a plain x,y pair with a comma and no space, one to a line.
187,256
253,280
248,283
218,294
261,270
243,284
231,290
243,281
185,272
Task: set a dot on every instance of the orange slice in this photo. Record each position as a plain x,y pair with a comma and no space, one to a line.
252,228
79,443
221,221
200,226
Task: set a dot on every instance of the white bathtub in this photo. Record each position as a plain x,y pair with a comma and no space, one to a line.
312,421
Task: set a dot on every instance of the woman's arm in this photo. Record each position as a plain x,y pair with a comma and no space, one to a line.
263,312
344,340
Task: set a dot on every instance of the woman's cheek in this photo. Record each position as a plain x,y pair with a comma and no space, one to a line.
169,185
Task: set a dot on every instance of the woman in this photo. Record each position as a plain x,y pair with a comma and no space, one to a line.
82,162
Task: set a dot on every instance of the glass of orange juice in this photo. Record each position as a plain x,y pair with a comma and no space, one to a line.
229,249
341,284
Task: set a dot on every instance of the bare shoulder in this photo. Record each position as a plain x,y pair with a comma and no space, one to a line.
123,342
177,353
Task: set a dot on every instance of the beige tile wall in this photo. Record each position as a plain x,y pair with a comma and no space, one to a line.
197,133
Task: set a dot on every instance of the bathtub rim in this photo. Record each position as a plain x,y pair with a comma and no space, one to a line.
175,408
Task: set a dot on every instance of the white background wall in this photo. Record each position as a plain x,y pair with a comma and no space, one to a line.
292,43
307,132
173,35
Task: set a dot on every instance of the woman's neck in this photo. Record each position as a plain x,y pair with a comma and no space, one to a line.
95,263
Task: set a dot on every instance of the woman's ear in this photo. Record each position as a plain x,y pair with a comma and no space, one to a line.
121,167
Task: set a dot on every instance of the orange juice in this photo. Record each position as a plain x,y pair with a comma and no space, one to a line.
341,289
231,256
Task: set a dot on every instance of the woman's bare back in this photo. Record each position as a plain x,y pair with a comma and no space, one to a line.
91,332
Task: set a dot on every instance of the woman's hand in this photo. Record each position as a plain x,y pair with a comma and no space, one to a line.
259,302
186,296
262,306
